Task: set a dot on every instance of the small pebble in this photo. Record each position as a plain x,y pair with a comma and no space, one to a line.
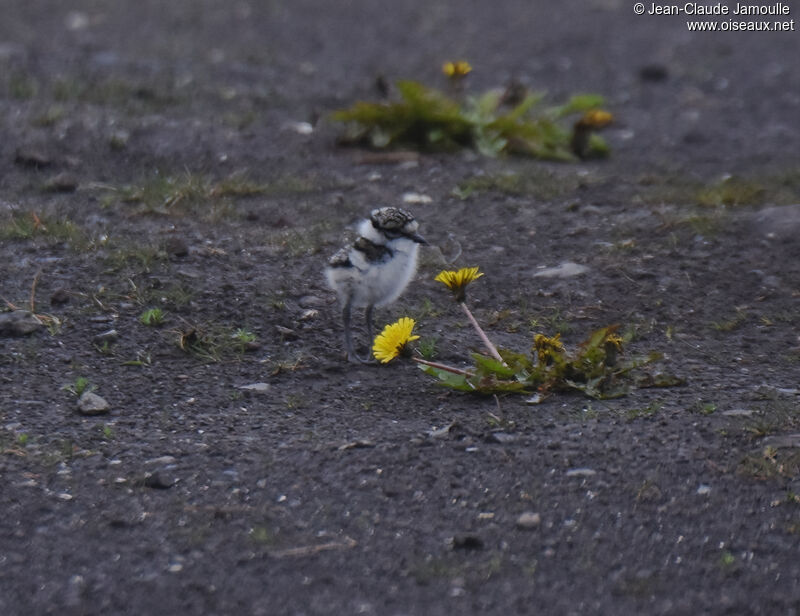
176,247
416,198
61,183
311,313
18,323
501,437
91,404
581,472
256,388
59,296
467,542
529,520
311,301
285,332
738,413
119,139
301,128
565,270
653,72
31,156
157,481
107,336
161,460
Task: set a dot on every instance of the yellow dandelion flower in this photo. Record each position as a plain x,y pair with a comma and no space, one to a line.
392,341
457,281
456,70
546,348
591,121
615,341
596,119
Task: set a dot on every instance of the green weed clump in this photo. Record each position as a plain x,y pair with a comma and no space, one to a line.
79,386
152,317
212,343
597,367
29,226
425,118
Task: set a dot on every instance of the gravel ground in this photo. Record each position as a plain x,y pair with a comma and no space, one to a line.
151,158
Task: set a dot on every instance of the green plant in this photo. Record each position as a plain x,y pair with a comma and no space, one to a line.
211,342
129,255
427,348
66,449
152,317
705,408
557,322
727,561
243,336
597,368
648,411
143,358
294,402
771,463
427,310
49,117
161,193
199,342
426,118
732,192
262,535
22,86
732,323
648,491
287,364
243,339
30,225
778,416
792,498
81,385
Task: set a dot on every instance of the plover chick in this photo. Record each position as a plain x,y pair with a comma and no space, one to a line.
376,268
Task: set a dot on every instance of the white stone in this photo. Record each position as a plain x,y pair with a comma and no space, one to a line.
567,269
416,198
91,404
257,388
581,472
529,520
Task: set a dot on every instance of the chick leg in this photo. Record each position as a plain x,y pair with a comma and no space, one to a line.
370,328
370,331
348,334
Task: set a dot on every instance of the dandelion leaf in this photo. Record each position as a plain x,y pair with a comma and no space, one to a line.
427,118
448,379
492,384
491,367
578,103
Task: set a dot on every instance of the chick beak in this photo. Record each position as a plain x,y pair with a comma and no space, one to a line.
416,237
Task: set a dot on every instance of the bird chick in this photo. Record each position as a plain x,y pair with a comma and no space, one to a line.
376,268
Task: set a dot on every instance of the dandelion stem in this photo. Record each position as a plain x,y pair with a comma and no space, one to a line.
487,343
444,367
